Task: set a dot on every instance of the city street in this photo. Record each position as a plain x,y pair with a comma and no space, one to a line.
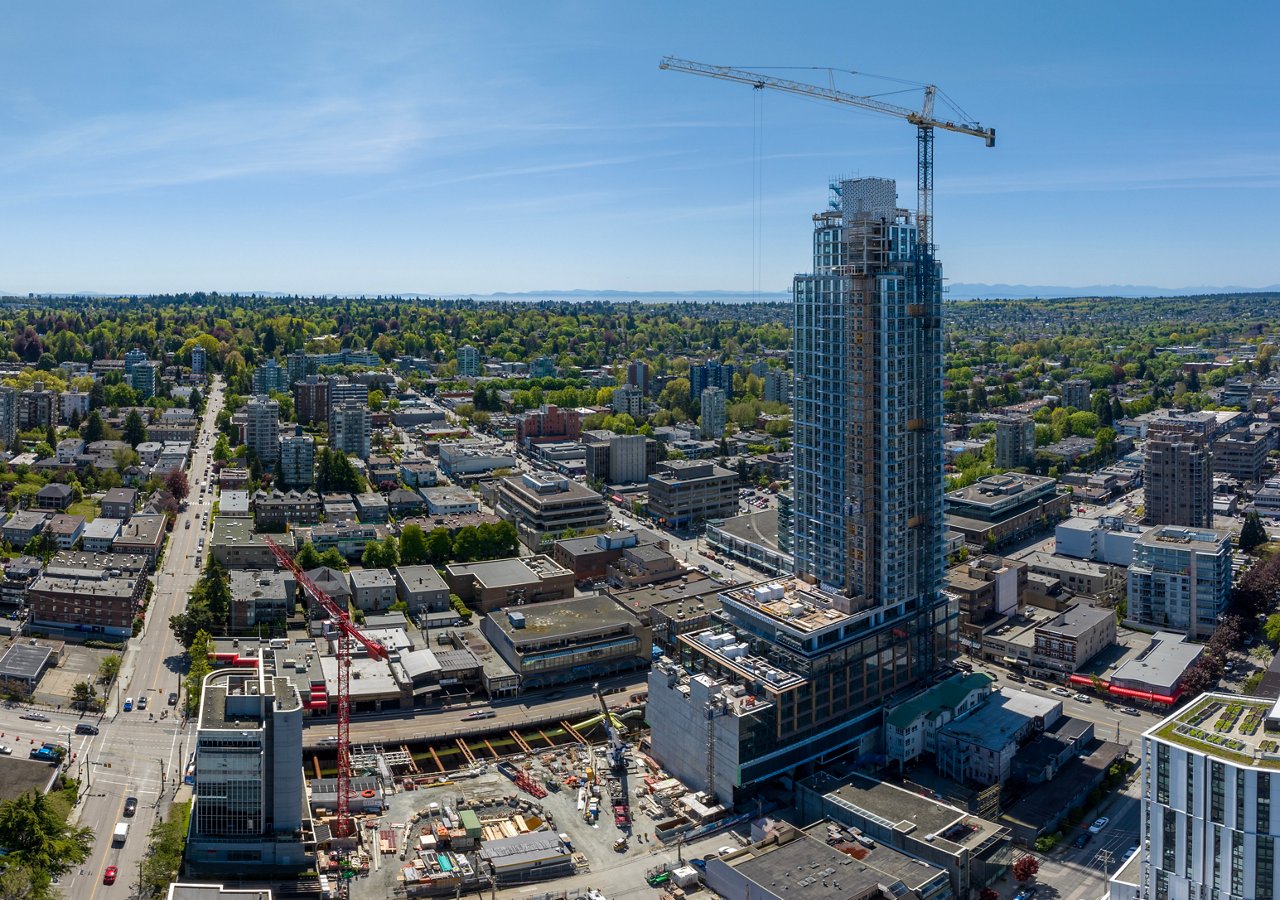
138,753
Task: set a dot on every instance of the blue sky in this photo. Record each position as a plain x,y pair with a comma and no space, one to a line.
509,146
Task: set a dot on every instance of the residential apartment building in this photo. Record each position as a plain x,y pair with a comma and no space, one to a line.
1210,798
714,412
350,428
95,602
630,400
297,459
1075,393
37,407
262,428
777,386
1177,475
269,377
712,373
548,423
1180,579
311,400
638,376
468,361
249,810
8,417
198,360
685,493
274,509
260,598
1015,442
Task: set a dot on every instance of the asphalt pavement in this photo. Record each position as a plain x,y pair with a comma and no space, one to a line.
140,753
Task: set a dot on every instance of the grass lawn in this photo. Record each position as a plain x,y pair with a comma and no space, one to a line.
86,508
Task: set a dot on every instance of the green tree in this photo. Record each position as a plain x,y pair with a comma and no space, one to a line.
109,668
308,557
222,449
1253,533
198,653
167,842
34,831
1271,629
466,544
334,559
135,432
94,430
439,546
413,545
381,554
84,694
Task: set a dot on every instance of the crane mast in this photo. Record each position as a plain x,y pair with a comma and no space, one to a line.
617,747
347,633
922,118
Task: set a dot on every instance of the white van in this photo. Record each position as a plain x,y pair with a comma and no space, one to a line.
121,832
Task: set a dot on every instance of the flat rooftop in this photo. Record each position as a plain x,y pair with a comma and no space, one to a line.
996,490
1077,621
789,602
952,828
1200,540
946,694
497,573
1005,713
25,661
760,528
1224,726
562,618
1068,564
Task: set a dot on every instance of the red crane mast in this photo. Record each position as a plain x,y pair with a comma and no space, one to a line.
347,632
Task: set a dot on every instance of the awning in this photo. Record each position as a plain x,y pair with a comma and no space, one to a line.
1011,661
1149,696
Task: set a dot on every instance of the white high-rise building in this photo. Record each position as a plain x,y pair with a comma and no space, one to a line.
297,459
713,413
630,400
468,361
262,428
350,427
250,810
1210,805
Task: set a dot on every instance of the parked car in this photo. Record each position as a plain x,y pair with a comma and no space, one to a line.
1082,698
1082,839
1130,711
34,717
1098,825
1061,692
1038,684
6,750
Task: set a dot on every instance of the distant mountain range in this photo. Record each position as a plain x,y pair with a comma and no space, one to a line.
954,291
961,291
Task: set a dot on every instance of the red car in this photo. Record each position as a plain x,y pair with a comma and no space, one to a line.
109,875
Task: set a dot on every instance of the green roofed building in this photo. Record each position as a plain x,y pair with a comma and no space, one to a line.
911,726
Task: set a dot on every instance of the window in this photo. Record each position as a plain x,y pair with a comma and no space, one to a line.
1264,867
1217,791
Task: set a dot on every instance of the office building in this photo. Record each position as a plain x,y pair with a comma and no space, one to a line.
1015,442
713,413
1178,475
468,361
630,400
638,376
1180,579
350,428
868,412
1242,454
1075,393
269,377
686,493
777,386
297,459
998,509
311,400
1210,817
619,458
198,360
545,507
262,428
249,811
712,373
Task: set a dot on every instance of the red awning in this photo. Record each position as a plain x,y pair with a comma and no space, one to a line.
1145,695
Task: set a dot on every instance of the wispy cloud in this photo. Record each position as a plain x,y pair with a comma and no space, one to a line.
212,142
1217,173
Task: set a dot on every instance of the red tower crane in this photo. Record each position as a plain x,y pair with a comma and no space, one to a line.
347,632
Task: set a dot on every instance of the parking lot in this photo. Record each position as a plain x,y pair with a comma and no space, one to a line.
79,663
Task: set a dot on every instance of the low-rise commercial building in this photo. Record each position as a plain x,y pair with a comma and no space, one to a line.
979,748
1068,641
567,641
143,534
235,545
544,508
1080,576
1002,508
489,585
